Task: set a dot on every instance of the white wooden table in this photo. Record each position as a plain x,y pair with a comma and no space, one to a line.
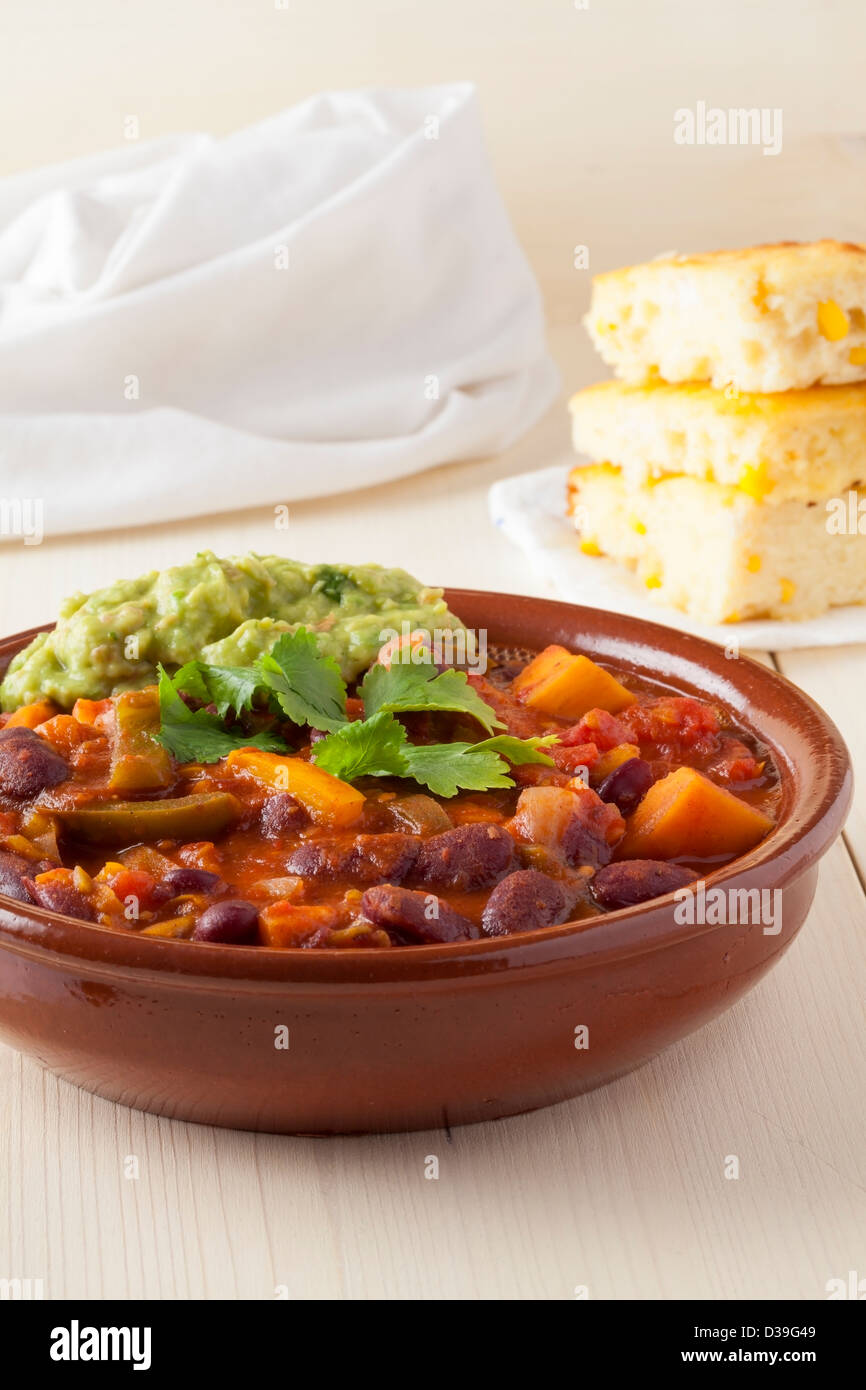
622,1191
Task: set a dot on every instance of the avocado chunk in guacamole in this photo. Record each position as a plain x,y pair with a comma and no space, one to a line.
225,612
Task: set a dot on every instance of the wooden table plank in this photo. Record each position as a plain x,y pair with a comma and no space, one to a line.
836,677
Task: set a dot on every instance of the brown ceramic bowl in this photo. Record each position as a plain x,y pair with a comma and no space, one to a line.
432,1035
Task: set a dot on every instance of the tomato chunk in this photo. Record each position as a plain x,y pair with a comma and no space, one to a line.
676,724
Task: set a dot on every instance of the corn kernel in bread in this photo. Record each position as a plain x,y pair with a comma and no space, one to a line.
715,552
795,445
765,318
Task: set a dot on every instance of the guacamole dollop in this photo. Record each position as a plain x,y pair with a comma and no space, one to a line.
222,611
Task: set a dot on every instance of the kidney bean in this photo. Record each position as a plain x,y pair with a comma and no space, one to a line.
231,923
421,916
524,900
365,858
466,858
627,785
187,880
318,859
281,815
634,881
14,868
61,897
28,763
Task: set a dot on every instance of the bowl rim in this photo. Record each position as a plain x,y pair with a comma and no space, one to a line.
807,826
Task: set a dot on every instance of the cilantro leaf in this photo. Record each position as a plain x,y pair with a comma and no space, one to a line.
364,748
447,768
308,686
227,687
232,687
195,735
190,679
379,747
404,687
520,750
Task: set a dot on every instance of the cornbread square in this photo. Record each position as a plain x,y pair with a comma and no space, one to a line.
791,446
712,551
766,318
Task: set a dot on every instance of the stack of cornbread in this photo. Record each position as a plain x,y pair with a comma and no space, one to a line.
730,457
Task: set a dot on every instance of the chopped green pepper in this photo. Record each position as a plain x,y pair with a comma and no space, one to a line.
200,816
138,762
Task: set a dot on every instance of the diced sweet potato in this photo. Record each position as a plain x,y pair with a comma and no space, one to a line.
201,854
65,733
685,815
558,682
328,800
92,711
290,924
28,716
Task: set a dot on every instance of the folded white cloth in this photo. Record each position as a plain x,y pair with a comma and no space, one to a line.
326,300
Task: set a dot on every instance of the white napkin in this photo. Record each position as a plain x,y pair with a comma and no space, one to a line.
530,511
326,300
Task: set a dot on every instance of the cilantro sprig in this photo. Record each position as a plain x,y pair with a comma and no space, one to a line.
409,687
380,747
227,687
295,680
364,748
196,735
308,686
